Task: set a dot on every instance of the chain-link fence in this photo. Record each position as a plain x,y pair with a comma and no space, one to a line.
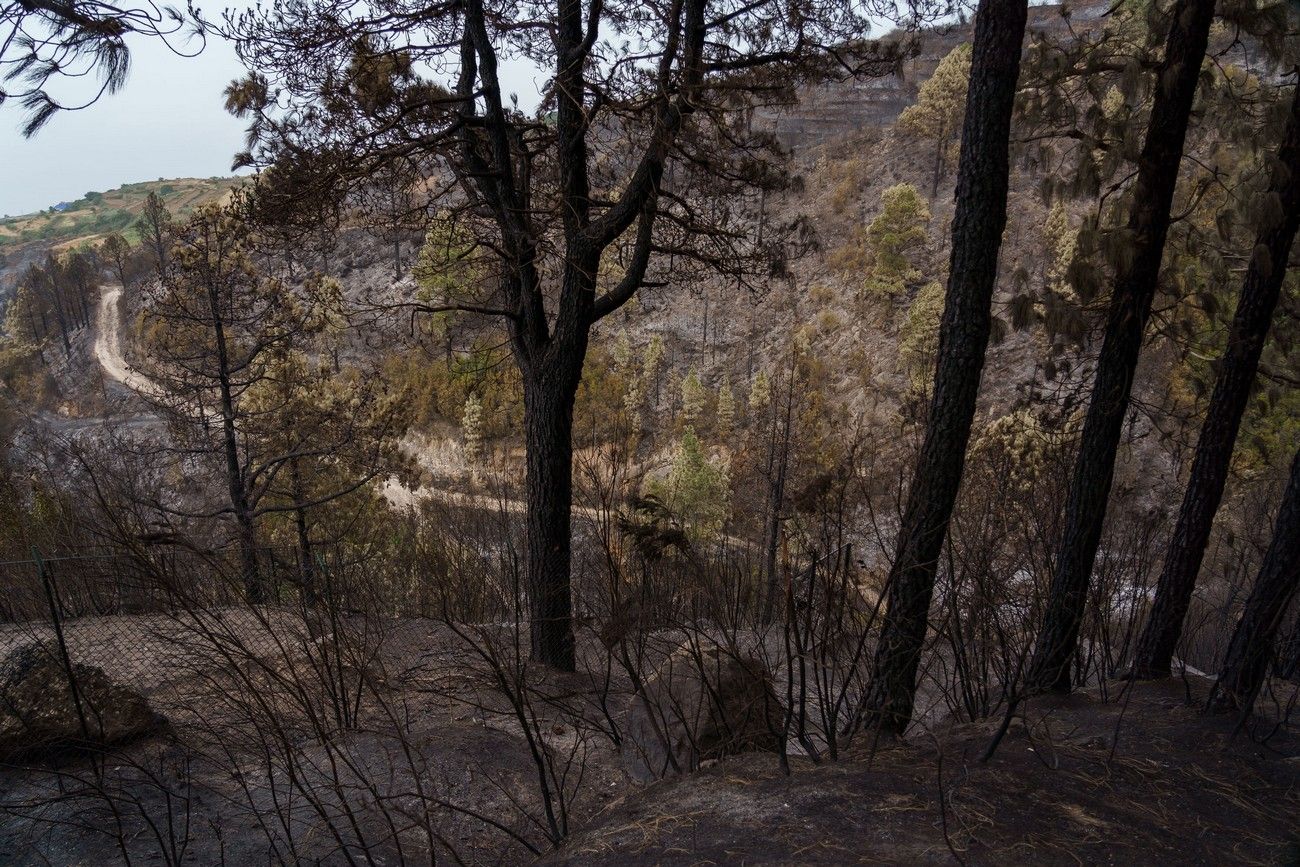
102,651
122,613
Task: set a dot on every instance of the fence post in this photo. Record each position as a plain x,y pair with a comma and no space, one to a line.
56,617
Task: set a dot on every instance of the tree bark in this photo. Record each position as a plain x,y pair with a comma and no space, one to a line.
548,424
38,336
83,298
778,461
1135,286
246,537
978,223
56,297
156,218
940,144
1250,324
550,351
306,566
62,319
1251,648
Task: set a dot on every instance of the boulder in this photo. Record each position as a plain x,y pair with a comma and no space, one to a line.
38,712
704,702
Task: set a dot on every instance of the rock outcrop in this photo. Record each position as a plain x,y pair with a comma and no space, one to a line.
39,711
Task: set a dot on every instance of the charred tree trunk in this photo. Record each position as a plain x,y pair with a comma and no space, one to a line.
964,332
1135,286
246,536
1250,324
940,145
1251,647
778,461
39,335
61,316
306,566
159,246
83,300
549,347
549,395
156,219
1289,653
250,571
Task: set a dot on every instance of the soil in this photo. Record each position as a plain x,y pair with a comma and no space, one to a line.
431,739
1143,776
1146,779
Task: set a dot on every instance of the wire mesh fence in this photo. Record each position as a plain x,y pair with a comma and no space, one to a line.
355,680
117,612
101,651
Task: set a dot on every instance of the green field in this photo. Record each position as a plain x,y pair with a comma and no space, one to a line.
95,215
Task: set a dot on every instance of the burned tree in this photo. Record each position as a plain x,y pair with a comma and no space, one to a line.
1252,647
1236,375
212,326
155,227
116,251
62,287
1130,305
578,205
250,395
964,333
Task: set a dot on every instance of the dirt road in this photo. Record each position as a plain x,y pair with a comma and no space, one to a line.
108,345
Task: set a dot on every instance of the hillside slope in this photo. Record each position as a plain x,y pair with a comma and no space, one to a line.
1144,779
26,238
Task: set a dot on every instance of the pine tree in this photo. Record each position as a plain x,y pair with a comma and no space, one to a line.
622,352
760,394
1062,242
1059,305
23,336
322,436
1252,645
154,227
117,250
697,490
654,356
448,265
893,239
551,195
693,397
1130,306
630,368
977,229
1260,293
918,343
726,411
217,330
471,427
940,104
633,401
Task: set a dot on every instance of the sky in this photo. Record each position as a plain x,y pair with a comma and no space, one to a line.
167,122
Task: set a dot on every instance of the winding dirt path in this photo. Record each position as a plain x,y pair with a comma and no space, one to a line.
108,352
108,345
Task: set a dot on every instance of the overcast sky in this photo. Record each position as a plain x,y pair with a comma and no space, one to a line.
168,122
